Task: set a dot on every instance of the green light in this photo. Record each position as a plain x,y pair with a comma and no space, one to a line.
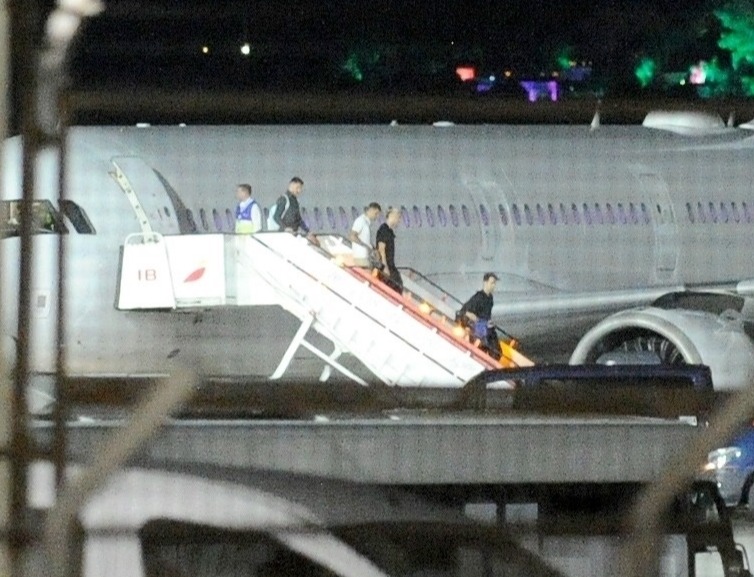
352,67
361,62
564,57
645,71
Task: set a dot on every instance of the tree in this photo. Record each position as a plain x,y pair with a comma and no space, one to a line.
737,38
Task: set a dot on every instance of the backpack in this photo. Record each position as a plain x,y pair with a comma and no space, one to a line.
272,225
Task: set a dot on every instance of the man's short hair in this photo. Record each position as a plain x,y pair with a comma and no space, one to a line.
296,180
246,187
391,210
489,275
375,205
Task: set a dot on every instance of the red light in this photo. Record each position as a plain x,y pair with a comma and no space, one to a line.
466,73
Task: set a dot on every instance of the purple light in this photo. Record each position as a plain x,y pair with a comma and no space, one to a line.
537,88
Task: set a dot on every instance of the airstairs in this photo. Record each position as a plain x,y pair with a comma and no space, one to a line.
406,340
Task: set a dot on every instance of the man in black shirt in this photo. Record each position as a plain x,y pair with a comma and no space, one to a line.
478,310
386,248
289,218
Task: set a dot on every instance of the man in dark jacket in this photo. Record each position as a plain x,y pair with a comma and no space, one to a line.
386,248
287,211
477,312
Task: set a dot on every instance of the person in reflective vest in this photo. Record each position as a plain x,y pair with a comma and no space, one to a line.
248,213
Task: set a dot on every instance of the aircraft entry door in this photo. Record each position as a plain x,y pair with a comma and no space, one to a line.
663,222
486,197
147,195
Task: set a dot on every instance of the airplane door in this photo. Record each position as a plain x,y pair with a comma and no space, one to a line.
486,198
663,221
148,197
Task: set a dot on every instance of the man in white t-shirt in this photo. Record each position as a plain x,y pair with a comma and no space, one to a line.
361,234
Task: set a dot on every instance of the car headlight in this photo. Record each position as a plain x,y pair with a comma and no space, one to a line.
720,458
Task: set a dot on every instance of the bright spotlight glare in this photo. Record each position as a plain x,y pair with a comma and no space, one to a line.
246,49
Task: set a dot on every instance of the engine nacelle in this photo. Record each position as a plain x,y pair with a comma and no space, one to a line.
677,335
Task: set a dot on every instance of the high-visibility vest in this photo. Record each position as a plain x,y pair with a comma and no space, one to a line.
244,222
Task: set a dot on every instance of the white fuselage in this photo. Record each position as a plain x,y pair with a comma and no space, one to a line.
577,224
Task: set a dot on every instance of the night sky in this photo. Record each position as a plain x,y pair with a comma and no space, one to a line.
306,42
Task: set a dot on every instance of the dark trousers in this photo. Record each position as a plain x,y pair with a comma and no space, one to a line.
394,281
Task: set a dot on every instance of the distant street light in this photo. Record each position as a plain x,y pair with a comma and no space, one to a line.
245,49
205,49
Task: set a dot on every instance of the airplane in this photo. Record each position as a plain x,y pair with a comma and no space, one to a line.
609,241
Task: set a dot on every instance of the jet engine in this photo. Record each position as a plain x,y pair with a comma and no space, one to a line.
694,328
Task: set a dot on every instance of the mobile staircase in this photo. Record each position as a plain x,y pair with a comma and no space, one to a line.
406,340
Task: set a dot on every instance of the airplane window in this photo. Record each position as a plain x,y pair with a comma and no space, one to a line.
724,212
218,220
553,215
78,217
645,213
575,213
563,213
747,212
230,219
430,216
597,213
516,214
267,212
503,214
713,212
318,218
190,219
344,218
540,214
417,216
609,211
691,212
405,216
453,215
331,218
355,213
736,214
484,215
622,214
529,216
587,214
700,212
441,217
167,211
660,216
466,217
632,212
203,217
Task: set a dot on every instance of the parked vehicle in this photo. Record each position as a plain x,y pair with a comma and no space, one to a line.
732,468
687,390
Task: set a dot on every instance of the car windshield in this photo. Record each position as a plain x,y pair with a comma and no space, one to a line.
396,549
443,550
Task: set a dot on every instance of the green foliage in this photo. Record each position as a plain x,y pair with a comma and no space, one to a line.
737,36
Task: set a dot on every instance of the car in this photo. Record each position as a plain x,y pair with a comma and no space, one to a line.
155,519
595,388
731,467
